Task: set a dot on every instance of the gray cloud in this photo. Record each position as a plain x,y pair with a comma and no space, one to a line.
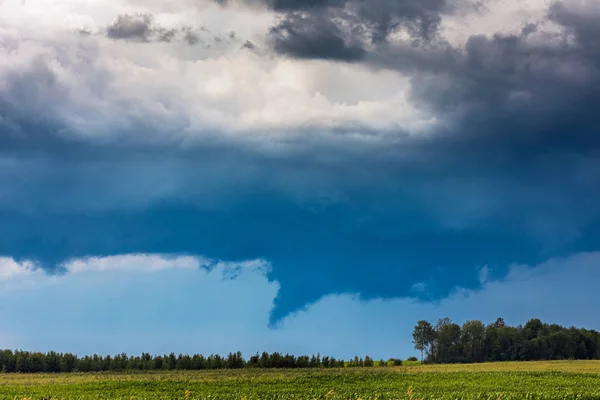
315,37
143,28
583,22
345,29
131,27
377,17
190,37
539,89
248,45
165,35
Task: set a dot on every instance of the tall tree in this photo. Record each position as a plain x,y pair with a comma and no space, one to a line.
447,340
423,335
473,338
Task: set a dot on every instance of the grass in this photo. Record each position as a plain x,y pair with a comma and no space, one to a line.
494,381
410,363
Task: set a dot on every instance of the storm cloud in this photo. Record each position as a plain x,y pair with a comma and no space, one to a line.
313,37
412,160
346,30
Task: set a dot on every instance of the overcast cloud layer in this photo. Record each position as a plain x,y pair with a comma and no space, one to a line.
389,148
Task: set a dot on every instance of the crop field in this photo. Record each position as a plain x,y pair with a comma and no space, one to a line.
524,380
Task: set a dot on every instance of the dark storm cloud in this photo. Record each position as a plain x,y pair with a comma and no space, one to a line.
512,173
341,29
313,37
544,91
348,27
374,223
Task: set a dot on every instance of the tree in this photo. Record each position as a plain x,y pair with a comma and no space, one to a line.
473,337
447,338
532,328
499,323
423,336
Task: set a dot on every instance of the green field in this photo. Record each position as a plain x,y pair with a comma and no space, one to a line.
524,380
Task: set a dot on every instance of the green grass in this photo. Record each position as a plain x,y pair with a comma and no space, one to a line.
411,363
534,380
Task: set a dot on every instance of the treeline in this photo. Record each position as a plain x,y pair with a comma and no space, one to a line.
448,342
30,362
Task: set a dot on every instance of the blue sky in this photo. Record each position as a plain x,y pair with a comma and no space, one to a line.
152,303
294,176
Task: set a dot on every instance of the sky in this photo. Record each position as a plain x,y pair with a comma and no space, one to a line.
298,176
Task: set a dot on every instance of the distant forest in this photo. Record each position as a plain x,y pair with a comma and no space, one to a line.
444,342
447,342
29,362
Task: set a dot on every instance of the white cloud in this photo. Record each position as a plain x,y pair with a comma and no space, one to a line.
495,16
19,276
418,287
484,274
95,15
9,268
125,263
135,262
101,91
